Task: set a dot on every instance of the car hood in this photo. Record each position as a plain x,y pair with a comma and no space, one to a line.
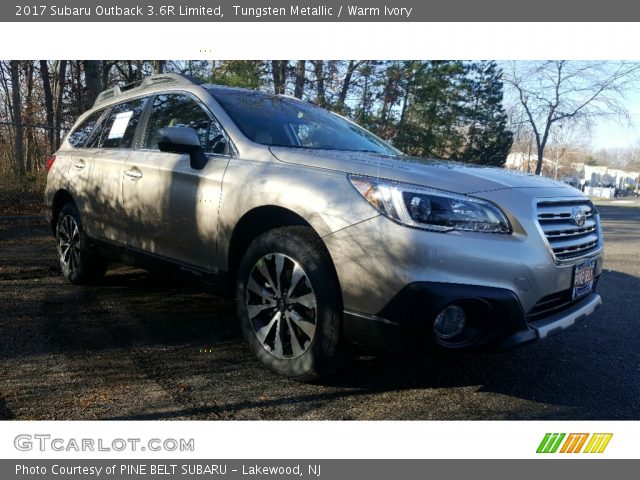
446,175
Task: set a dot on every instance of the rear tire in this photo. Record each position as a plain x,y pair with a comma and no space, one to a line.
78,265
290,304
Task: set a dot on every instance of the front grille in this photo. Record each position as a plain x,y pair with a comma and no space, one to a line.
569,239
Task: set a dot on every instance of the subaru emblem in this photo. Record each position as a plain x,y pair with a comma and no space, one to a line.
578,216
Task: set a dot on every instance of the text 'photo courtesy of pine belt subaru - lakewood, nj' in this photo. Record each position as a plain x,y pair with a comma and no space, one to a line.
325,235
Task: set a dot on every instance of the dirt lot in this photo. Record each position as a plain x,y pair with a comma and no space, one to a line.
144,347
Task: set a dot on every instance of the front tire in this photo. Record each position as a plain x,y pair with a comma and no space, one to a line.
289,304
78,265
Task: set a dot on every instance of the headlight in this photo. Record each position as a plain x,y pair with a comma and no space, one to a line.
431,209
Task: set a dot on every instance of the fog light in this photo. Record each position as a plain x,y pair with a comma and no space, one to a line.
450,322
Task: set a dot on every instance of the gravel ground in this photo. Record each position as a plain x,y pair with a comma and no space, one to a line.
142,347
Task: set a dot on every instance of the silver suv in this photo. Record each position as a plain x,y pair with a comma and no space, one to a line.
326,235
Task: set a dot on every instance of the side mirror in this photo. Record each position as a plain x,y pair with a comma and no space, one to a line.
183,140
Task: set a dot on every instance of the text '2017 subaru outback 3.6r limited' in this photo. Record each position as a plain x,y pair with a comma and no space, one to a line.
327,235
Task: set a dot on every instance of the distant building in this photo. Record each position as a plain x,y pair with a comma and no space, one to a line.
598,181
523,162
605,182
603,176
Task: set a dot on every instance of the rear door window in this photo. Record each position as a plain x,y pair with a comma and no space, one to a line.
119,128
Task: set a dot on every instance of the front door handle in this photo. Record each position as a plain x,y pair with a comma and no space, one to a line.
133,173
79,164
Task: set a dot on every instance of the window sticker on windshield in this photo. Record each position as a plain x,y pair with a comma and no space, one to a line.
120,125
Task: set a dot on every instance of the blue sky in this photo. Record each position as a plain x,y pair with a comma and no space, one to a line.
610,134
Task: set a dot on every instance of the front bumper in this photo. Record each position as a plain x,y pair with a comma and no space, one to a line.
395,280
495,315
565,319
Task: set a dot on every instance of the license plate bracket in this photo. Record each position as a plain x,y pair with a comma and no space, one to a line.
583,278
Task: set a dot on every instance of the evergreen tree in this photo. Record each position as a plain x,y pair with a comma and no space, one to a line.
239,73
430,125
488,140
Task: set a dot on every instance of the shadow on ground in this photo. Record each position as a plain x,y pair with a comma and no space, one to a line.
142,346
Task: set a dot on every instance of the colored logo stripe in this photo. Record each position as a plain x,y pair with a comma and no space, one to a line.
595,442
598,442
574,443
550,443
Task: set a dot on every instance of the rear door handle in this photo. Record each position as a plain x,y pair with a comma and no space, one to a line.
79,164
133,173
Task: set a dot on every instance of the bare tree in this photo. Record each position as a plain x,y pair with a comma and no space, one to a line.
300,78
16,101
560,91
48,102
279,71
367,72
93,81
318,68
132,70
346,84
61,74
28,114
158,66
107,65
634,156
568,144
523,138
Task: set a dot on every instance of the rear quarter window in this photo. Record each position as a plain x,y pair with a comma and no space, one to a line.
78,138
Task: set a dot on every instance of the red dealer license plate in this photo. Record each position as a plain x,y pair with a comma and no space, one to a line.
583,275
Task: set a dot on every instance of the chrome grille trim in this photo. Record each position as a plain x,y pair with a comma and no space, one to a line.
566,240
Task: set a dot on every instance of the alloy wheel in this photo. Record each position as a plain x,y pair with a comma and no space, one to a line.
69,243
281,306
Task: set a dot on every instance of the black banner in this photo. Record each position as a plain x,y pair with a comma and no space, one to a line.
317,11
325,469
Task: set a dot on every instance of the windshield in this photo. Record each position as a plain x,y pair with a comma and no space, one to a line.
286,122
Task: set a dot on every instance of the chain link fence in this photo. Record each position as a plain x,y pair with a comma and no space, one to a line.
37,145
24,194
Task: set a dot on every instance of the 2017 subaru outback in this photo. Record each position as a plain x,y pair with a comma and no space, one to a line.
327,234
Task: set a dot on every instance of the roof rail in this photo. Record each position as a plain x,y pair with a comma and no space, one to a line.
169,78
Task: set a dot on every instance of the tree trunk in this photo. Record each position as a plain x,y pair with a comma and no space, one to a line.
17,117
48,102
92,78
321,98
106,69
405,102
139,64
365,94
388,99
131,74
62,72
30,142
158,66
541,142
78,86
346,83
540,159
300,78
279,71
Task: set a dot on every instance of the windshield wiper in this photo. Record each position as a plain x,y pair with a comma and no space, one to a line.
363,150
325,148
286,146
